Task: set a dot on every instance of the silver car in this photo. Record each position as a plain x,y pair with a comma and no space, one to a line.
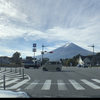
52,65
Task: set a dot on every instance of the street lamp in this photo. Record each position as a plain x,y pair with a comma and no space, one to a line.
93,52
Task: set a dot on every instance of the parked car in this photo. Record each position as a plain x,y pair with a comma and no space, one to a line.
52,65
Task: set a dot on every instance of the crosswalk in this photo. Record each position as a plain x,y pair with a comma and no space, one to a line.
46,85
62,85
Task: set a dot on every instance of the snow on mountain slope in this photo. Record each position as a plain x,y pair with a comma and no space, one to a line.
66,51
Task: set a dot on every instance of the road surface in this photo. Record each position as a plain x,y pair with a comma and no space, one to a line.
70,82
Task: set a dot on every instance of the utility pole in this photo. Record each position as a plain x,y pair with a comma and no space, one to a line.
34,50
93,52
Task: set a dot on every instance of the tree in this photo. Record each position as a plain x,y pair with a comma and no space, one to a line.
71,61
16,58
76,57
98,53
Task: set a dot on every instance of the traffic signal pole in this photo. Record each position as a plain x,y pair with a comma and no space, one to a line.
42,52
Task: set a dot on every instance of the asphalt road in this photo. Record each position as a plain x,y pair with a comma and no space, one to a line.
70,82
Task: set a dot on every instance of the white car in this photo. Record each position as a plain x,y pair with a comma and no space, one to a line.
52,65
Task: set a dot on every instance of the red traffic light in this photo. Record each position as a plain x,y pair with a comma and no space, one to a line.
51,52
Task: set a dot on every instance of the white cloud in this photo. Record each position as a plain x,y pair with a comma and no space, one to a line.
9,32
7,9
52,21
25,52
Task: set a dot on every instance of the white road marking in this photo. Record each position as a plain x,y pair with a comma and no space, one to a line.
76,85
12,81
61,85
32,85
19,84
19,89
92,85
96,80
9,82
1,80
46,85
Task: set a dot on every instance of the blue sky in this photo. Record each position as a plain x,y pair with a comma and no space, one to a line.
48,22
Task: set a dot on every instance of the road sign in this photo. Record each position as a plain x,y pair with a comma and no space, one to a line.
34,50
34,45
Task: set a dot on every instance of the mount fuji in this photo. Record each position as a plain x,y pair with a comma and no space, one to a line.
66,51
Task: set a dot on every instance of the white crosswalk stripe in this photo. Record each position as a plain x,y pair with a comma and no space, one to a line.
3,80
46,85
18,84
92,85
10,82
61,85
32,85
76,85
96,80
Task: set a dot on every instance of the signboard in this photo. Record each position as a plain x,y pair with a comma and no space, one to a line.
34,45
34,50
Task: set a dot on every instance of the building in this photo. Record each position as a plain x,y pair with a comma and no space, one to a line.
5,60
88,60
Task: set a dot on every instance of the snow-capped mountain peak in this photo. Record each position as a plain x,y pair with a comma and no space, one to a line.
66,45
67,51
69,45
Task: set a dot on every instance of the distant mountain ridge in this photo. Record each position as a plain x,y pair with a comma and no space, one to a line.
66,51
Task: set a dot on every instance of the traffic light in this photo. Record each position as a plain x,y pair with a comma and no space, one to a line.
51,52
